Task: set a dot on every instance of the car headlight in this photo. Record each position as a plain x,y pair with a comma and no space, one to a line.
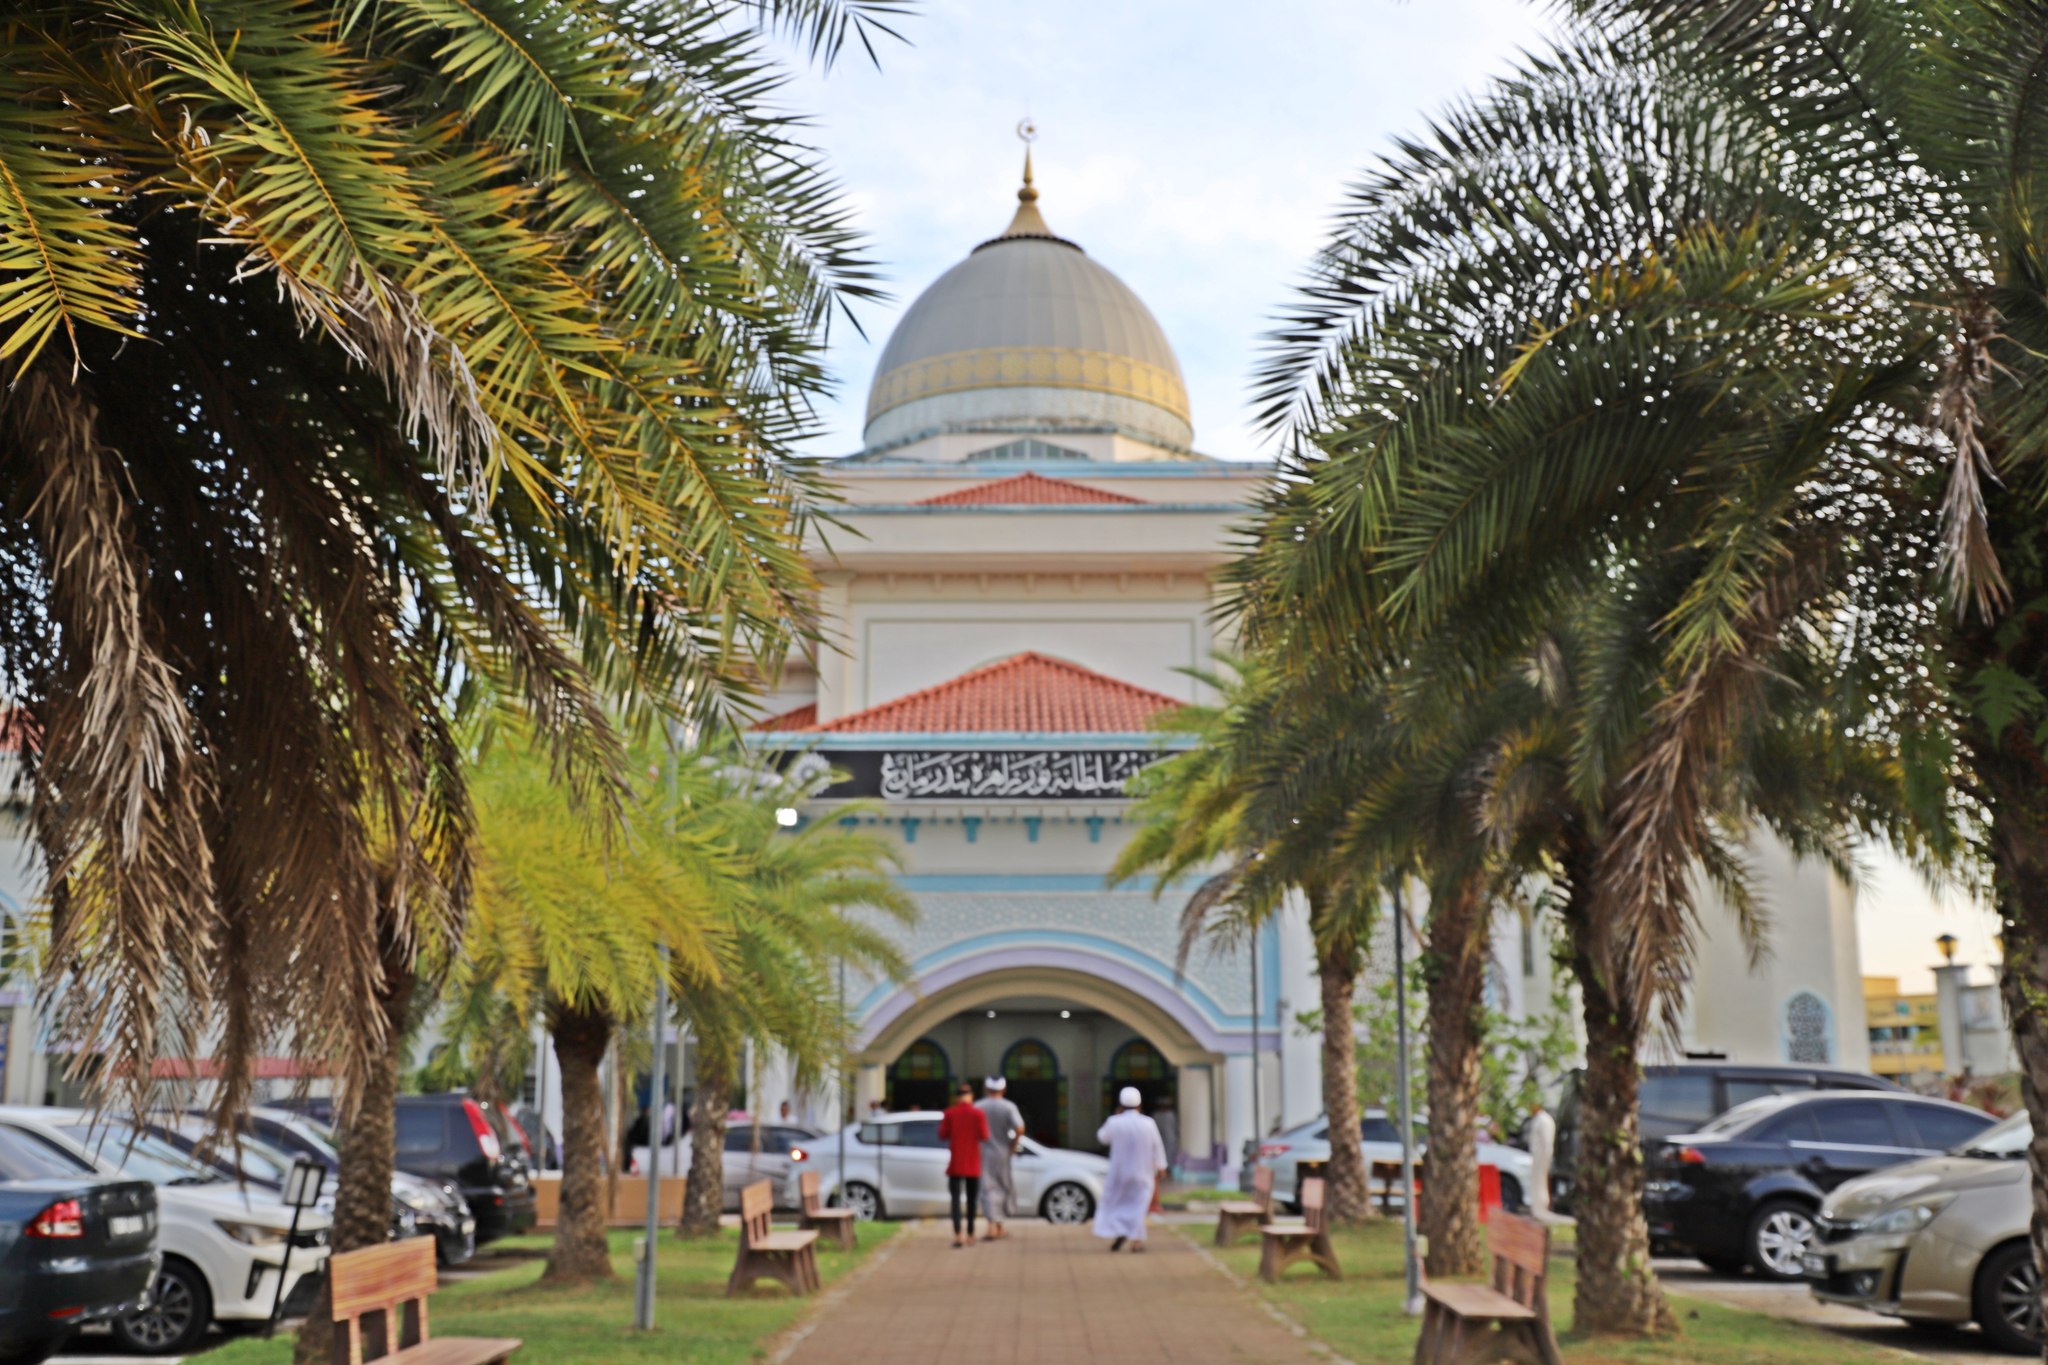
420,1201
253,1234
1908,1217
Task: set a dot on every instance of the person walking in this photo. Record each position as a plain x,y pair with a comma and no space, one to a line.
1540,1133
1137,1163
1005,1136
963,1128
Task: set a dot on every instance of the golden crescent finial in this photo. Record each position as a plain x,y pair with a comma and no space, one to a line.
1027,133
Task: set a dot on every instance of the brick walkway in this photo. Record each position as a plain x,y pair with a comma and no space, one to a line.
1046,1296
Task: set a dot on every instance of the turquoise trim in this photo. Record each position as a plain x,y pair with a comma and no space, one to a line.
1033,881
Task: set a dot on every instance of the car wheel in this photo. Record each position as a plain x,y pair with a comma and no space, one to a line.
1067,1202
2007,1301
864,1200
1724,1265
1779,1234
180,1310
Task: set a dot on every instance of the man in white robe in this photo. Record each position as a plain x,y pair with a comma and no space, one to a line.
1540,1133
1137,1163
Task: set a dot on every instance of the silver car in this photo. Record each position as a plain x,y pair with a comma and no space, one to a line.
896,1168
1284,1153
1943,1239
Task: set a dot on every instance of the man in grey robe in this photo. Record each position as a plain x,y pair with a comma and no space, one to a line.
1005,1135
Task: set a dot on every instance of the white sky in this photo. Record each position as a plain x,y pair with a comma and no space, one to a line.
1197,149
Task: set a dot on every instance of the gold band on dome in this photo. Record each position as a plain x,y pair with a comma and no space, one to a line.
1062,367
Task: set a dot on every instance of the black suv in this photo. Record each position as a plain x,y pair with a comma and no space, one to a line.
1746,1189
1685,1096
472,1144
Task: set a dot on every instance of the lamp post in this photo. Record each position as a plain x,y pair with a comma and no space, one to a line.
1947,944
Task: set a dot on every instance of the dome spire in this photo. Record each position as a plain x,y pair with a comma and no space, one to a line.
1028,222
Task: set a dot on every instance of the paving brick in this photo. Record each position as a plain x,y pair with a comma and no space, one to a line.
1047,1296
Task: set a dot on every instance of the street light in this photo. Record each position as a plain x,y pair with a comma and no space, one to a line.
1947,944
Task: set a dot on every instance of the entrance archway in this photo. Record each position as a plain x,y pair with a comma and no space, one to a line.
1140,1065
1031,1070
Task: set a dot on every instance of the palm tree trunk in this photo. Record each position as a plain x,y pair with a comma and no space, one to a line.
581,1251
368,1147
704,1192
1349,1197
1617,1291
1458,941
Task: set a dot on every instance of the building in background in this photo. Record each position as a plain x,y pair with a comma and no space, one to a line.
1975,1038
1905,1034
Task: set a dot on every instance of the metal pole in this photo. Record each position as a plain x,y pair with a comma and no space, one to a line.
1413,1267
845,1098
284,1270
643,1297
1258,1133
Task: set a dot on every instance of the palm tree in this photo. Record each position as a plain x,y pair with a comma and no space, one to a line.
813,897
575,928
1449,432
366,366
1212,808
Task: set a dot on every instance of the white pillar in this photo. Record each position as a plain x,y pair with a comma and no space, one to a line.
1197,1103
1237,1113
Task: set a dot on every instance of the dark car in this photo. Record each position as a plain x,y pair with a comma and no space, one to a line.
471,1144
1685,1096
1746,1189
75,1248
418,1205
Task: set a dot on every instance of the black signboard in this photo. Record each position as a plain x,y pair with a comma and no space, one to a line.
985,774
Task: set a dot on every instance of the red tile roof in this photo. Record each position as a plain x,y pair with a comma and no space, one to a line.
798,718
1028,490
1025,693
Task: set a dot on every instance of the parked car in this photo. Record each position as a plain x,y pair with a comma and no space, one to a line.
1284,1153
418,1204
224,1246
896,1168
76,1247
469,1143
1685,1096
1747,1188
1939,1240
784,1146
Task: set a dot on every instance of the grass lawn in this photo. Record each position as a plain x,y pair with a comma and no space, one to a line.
1361,1318
695,1324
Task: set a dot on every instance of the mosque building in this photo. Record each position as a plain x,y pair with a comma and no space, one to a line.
1029,570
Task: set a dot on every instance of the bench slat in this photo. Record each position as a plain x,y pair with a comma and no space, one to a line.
453,1351
1476,1301
380,1276
782,1241
1241,1208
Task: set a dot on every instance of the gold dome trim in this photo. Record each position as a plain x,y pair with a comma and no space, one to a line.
1059,367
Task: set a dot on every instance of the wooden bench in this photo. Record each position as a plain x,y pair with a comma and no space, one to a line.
1388,1176
818,1218
384,1281
1282,1244
1236,1217
788,1257
1467,1323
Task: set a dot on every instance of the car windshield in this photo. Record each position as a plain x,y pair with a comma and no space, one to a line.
257,1161
139,1154
1742,1115
26,1156
2003,1140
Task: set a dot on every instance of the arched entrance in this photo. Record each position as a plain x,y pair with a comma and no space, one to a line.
1032,1073
921,1077
1138,1064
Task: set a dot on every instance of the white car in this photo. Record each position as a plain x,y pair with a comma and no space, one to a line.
1285,1152
896,1168
223,1243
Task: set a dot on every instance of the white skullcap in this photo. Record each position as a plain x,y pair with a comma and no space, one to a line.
1130,1098
996,1084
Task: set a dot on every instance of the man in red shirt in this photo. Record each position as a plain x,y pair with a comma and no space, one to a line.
964,1128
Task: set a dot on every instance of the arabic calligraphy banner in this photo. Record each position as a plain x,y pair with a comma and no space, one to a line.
987,774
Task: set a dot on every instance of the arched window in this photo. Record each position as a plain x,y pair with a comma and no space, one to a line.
923,1060
1809,1031
1030,1060
1138,1060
